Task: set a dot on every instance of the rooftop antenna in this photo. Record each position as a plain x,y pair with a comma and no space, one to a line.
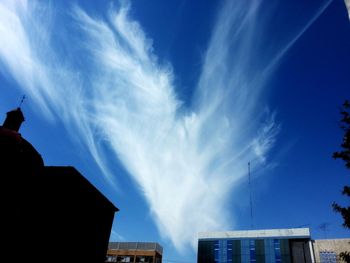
250,198
324,228
22,100
301,226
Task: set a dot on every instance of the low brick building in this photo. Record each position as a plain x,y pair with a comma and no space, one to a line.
146,252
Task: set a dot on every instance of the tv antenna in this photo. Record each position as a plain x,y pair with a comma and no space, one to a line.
22,100
250,198
301,226
324,228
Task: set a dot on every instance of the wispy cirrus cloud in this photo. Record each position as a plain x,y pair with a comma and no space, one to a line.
347,4
185,160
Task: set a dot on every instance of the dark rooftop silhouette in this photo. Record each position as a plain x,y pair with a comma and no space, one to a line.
49,213
14,120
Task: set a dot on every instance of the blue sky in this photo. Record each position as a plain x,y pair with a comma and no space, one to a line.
161,105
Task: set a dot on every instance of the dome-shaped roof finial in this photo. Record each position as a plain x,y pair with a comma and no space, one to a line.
14,118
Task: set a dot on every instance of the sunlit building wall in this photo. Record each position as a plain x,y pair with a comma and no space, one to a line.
145,252
328,250
265,246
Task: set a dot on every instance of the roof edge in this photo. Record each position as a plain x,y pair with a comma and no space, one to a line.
262,233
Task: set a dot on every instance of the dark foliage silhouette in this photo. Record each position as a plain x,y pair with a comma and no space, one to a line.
344,154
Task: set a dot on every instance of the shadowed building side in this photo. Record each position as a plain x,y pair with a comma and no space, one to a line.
49,214
14,120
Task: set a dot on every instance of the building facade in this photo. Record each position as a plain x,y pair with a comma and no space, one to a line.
328,250
146,252
260,246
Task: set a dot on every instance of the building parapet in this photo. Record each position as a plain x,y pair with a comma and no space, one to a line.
136,246
268,233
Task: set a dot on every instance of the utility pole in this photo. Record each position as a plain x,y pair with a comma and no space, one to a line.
250,198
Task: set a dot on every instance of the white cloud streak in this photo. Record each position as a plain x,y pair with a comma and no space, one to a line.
185,160
347,4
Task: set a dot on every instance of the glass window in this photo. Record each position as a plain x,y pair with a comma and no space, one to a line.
216,255
143,259
216,251
252,250
125,259
216,244
140,259
111,258
328,257
277,249
229,251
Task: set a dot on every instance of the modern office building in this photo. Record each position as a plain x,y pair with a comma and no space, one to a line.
48,213
260,246
146,252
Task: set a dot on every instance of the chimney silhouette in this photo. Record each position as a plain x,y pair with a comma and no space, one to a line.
14,120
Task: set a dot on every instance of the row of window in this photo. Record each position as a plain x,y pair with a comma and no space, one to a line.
267,250
139,259
251,250
328,257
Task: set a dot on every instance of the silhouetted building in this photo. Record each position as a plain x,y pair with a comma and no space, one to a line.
49,214
145,252
267,246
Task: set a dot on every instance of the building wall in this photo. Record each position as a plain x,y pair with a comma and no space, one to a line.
133,256
147,252
267,250
329,247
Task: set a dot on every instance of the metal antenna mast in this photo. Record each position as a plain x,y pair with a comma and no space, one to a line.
23,97
250,198
324,228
